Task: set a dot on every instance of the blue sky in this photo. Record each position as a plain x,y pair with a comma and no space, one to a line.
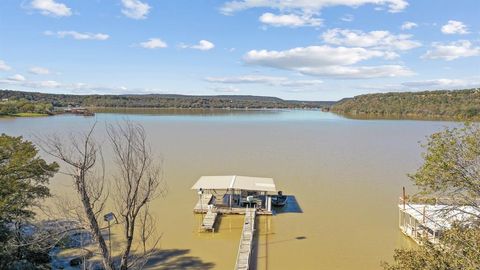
296,49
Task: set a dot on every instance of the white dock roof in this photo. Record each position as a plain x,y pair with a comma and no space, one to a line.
438,217
235,182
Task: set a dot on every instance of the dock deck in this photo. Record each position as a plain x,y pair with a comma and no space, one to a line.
222,207
203,202
246,240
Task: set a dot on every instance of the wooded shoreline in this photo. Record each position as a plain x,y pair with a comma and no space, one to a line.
449,105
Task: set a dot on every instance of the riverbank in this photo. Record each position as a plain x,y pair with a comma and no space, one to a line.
163,101
24,115
405,117
457,105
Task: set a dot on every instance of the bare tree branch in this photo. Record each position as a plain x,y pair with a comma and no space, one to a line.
139,181
80,153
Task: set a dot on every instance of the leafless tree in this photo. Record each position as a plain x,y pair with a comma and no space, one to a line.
139,181
80,154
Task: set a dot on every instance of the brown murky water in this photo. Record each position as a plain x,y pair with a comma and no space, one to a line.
346,176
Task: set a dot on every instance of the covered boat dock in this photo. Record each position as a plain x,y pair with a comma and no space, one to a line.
428,221
232,194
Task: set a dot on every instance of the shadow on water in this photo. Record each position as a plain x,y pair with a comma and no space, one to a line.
176,259
165,259
218,222
292,206
285,240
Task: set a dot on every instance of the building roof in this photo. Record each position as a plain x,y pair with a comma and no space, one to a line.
235,182
440,217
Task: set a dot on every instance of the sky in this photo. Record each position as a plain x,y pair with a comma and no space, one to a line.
292,49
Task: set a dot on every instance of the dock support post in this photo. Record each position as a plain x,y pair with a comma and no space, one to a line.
200,195
269,203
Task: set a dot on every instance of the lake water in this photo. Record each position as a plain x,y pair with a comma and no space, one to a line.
346,176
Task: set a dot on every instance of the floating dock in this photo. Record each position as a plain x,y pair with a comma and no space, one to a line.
428,222
225,210
246,240
203,202
233,194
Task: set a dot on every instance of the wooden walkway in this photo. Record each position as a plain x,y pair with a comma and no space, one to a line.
209,220
246,240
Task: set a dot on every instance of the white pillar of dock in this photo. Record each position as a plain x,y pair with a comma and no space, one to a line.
269,203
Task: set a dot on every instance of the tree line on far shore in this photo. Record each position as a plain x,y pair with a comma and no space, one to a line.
163,101
457,105
453,105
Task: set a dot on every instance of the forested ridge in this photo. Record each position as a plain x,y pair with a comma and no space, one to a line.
161,101
444,104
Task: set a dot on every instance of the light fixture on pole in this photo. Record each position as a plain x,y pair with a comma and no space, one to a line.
108,218
200,195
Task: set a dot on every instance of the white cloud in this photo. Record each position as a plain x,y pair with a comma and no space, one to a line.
77,35
225,89
51,8
327,61
33,84
19,80
245,79
290,20
374,39
308,6
51,86
442,83
452,51
39,70
408,25
16,78
300,83
311,56
347,18
4,66
262,79
135,9
154,43
454,27
203,45
46,84
427,84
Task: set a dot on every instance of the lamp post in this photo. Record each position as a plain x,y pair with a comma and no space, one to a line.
108,218
200,195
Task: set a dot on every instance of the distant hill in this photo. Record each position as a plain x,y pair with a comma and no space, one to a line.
163,101
456,104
